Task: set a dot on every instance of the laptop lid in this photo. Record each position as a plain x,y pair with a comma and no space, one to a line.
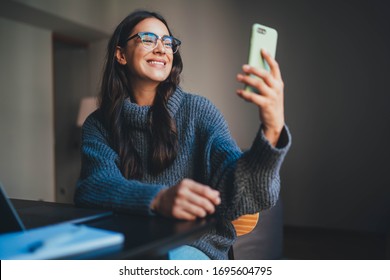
32,214
10,220
40,213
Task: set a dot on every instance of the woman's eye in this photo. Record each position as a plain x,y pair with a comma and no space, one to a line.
147,41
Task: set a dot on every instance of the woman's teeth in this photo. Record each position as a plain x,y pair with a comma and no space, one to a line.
156,62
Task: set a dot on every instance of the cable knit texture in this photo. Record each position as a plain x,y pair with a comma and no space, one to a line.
248,182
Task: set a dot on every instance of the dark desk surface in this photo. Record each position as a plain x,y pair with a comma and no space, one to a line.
145,237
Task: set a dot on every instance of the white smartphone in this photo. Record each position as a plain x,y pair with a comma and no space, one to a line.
262,37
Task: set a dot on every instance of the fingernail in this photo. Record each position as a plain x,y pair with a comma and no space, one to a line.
246,67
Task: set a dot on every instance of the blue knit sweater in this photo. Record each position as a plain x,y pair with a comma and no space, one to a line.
248,182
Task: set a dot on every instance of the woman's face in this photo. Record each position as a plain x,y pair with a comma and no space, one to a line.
145,65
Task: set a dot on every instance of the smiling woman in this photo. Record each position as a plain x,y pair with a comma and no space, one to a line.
153,149
148,57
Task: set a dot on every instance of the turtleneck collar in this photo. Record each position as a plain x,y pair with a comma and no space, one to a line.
137,116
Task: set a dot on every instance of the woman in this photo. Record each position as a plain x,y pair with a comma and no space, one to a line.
152,148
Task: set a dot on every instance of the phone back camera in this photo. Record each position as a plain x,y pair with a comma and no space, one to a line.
261,30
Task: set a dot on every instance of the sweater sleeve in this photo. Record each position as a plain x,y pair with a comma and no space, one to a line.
101,183
248,182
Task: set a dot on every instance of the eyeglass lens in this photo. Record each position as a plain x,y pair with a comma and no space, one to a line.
149,40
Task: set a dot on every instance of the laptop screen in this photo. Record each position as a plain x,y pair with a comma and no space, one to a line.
10,220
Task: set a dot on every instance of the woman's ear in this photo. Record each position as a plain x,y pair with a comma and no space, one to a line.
120,56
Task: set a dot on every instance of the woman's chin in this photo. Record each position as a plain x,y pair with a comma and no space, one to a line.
158,78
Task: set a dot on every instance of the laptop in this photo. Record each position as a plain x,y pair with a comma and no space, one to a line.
36,215
10,220
59,237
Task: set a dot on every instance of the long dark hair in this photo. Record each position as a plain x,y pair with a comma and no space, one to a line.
116,87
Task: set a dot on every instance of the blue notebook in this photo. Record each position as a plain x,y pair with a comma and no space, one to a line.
61,241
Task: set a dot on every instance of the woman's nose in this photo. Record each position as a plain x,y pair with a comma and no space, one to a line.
160,47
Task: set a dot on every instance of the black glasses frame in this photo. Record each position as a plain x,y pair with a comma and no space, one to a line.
175,42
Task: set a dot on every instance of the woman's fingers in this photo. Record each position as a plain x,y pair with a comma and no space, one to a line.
254,76
179,213
202,192
252,97
273,64
256,83
186,200
195,196
189,209
264,81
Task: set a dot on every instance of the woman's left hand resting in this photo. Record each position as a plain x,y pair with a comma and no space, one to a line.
187,200
270,96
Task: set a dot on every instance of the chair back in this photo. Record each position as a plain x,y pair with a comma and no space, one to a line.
245,223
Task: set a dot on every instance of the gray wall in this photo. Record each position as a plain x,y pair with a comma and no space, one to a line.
334,59
26,122
336,66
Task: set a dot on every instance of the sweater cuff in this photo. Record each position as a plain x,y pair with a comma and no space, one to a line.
263,152
284,140
139,199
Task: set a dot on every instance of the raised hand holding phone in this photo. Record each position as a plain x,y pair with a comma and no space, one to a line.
264,87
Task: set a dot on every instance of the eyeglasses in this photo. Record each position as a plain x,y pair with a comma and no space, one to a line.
149,41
